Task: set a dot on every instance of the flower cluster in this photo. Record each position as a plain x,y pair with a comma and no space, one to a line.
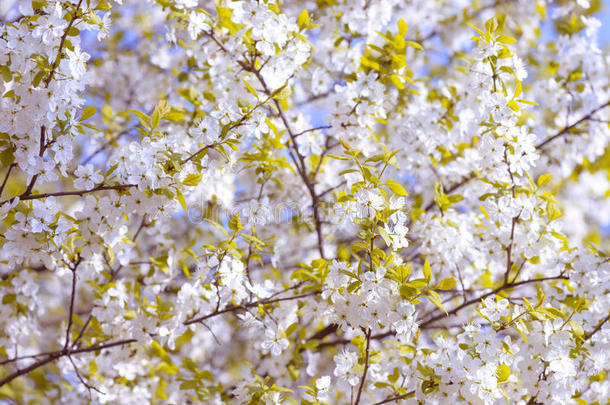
417,199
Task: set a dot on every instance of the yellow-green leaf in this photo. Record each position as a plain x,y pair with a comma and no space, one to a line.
250,88
577,328
193,179
175,116
88,112
447,283
396,188
506,39
403,28
303,19
436,300
181,200
544,179
426,270
481,33
414,45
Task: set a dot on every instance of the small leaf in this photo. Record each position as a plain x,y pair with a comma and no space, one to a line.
143,118
544,179
193,179
407,291
527,102
292,328
396,188
492,24
426,270
577,328
447,283
403,28
506,39
303,19
235,224
88,112
414,45
250,88
481,33
436,300
181,200
175,116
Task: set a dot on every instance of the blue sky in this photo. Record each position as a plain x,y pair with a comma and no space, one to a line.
604,17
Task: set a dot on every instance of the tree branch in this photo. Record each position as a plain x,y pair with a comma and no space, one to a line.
567,129
25,197
366,366
233,308
56,355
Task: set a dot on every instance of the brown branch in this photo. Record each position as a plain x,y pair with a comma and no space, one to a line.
597,328
395,398
366,366
509,250
312,129
299,161
495,291
233,308
72,298
56,63
50,357
427,322
564,131
567,129
24,197
8,173
107,143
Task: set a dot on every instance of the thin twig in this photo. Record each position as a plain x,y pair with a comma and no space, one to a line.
24,197
569,127
8,173
366,366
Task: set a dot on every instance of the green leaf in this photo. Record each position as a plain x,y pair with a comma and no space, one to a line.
88,112
426,270
175,116
407,291
436,300
9,298
492,24
418,283
235,224
282,93
414,45
143,118
447,283
527,102
303,19
396,188
193,179
553,212
397,82
544,179
292,328
251,89
403,28
506,39
577,328
385,236
338,157
181,200
156,117
481,33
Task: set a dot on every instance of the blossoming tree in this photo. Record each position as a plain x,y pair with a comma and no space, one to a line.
304,202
